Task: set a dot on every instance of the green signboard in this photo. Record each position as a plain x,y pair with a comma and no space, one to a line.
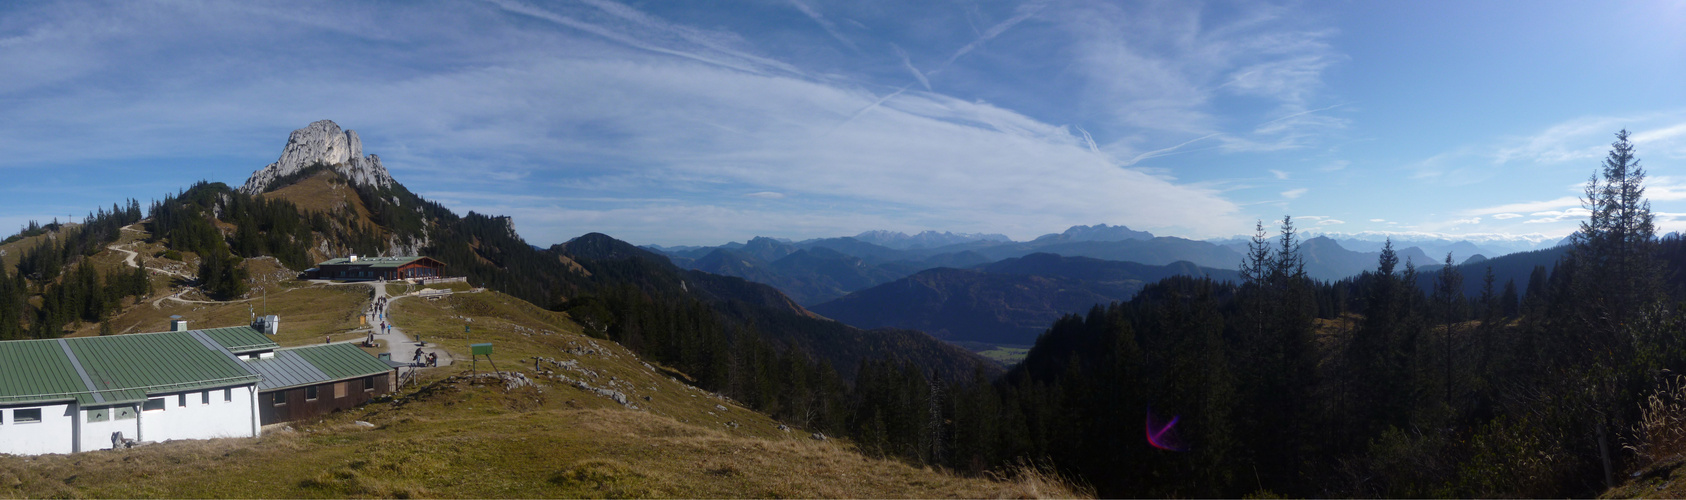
480,349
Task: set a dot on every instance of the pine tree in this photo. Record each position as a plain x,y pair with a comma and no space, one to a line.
1448,294
1617,287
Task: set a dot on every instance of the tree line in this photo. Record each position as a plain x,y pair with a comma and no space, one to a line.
67,292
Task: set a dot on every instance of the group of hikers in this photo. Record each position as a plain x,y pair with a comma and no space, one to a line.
378,311
431,359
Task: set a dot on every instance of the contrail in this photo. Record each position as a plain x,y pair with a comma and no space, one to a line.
1162,152
868,107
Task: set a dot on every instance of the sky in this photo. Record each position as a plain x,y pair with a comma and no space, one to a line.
702,122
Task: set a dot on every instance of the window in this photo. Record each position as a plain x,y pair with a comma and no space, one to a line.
154,404
310,393
368,384
278,398
339,390
124,412
228,394
181,400
205,397
99,414
29,416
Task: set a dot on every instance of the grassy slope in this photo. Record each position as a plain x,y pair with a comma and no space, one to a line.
449,436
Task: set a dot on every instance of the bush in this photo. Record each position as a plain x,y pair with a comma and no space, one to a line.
172,254
1661,431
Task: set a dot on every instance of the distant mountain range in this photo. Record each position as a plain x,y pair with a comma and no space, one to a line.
1008,302
819,270
927,239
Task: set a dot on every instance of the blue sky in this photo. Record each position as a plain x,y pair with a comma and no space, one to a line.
704,122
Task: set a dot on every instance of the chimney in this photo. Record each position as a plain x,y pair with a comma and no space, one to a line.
178,325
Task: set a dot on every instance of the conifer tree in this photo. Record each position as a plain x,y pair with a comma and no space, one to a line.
1617,288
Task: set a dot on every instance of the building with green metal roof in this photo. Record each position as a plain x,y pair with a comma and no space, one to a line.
76,394
356,268
301,382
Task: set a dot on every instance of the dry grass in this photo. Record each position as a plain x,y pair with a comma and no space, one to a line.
459,439
324,192
1659,444
1030,480
1661,431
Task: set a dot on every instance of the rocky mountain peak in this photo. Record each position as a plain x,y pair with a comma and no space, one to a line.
322,143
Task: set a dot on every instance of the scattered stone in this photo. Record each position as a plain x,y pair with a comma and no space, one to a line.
511,380
819,436
720,407
783,427
361,423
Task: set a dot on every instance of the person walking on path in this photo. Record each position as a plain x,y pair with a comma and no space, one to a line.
418,355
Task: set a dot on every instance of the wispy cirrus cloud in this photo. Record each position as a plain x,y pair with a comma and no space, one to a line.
1162,67
611,115
1527,206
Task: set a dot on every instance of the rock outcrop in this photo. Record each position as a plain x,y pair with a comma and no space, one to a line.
322,143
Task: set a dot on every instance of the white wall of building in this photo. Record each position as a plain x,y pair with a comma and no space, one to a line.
199,420
51,435
97,435
64,427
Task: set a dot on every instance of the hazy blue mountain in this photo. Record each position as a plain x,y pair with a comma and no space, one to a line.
1005,302
1097,232
767,249
851,246
966,305
927,239
1328,260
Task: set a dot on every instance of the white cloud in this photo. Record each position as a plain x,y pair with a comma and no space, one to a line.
1503,216
1378,220
1294,193
1529,206
1587,139
1335,166
1327,222
1550,216
1471,220
1280,175
766,195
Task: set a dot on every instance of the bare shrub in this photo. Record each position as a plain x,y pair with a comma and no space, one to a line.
1661,431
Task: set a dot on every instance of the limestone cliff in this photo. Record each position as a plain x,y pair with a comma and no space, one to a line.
322,143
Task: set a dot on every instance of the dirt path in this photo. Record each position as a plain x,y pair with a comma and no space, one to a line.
129,257
398,344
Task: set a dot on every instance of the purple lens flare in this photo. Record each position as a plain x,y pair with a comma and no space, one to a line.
1161,433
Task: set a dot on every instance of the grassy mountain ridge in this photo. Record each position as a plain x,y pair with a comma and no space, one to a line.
451,435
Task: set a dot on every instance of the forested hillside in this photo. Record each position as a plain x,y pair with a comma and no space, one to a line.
1281,385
